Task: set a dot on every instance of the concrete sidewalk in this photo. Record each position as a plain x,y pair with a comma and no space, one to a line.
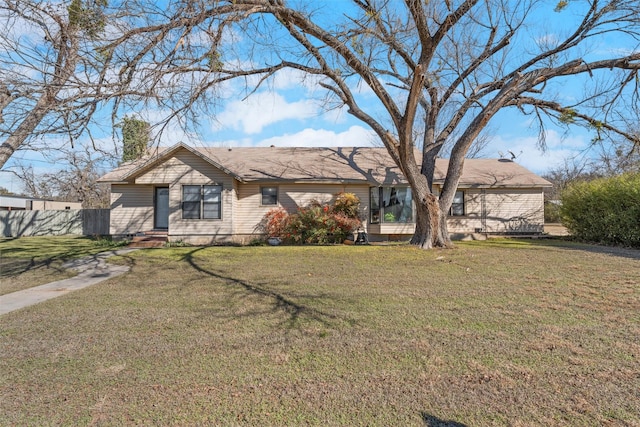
91,270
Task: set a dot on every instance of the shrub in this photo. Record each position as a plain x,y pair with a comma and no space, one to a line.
347,204
605,210
275,222
551,212
317,223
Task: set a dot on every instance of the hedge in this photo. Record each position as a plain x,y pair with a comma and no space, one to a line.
605,210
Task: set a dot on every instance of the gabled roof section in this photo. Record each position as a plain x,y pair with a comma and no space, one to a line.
370,165
129,170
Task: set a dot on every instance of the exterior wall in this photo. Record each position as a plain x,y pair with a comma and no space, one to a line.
500,211
497,211
249,210
392,228
131,209
53,205
510,211
472,221
486,210
185,168
13,203
23,203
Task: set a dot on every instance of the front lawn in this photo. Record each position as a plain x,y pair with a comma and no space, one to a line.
492,333
33,261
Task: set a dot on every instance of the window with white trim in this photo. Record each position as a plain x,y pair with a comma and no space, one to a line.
457,206
202,201
269,196
391,204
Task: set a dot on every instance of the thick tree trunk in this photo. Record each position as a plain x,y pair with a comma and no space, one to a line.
443,231
431,225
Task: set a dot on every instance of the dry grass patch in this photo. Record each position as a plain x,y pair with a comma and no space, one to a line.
491,333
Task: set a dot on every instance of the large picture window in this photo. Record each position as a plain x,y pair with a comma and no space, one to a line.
201,201
391,204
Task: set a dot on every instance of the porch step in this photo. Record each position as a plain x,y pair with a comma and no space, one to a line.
149,239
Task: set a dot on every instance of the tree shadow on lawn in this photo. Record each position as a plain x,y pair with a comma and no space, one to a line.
18,259
292,309
11,267
433,421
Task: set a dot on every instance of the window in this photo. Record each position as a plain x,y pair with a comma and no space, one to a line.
457,207
201,201
269,195
375,205
391,204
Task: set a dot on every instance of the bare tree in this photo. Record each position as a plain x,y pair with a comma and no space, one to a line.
620,156
76,182
67,70
439,71
445,68
52,70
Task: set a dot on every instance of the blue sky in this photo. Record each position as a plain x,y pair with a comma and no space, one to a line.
288,112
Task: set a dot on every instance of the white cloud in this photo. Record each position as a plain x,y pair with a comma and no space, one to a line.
263,109
355,136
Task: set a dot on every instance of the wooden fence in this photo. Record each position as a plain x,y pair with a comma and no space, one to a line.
85,222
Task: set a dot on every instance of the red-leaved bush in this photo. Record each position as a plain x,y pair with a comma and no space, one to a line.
317,223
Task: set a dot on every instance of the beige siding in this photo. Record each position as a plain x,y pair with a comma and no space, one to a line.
41,205
185,168
219,227
132,205
500,211
519,211
490,210
131,208
249,211
472,220
396,227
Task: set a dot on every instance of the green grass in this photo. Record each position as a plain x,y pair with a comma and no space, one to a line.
491,333
32,261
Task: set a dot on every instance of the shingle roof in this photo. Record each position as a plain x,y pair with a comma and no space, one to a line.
335,164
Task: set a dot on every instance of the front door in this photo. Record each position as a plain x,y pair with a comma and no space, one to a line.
161,208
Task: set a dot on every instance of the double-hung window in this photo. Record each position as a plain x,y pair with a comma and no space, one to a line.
202,201
457,207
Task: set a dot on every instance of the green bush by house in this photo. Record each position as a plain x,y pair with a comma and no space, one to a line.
605,210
